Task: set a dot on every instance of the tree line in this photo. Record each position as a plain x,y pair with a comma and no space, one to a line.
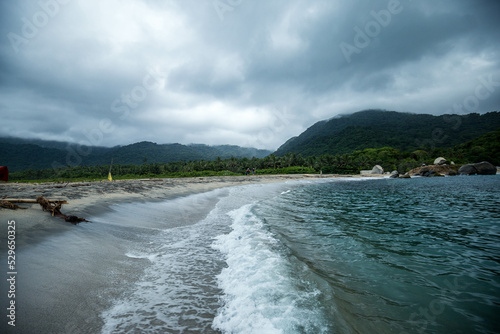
389,158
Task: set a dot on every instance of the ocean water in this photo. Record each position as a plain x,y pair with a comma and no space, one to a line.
347,255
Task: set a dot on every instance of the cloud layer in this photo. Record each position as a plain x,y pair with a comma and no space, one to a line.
250,73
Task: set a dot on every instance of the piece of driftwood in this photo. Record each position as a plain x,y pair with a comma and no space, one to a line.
54,207
33,201
50,205
9,205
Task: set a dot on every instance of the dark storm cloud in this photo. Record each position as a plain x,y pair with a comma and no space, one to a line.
243,72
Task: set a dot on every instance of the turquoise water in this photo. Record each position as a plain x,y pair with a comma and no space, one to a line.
395,256
345,255
335,256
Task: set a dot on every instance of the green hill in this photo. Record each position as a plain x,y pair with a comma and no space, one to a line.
483,148
377,129
21,154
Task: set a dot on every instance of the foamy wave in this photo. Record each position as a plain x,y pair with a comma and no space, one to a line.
261,294
150,257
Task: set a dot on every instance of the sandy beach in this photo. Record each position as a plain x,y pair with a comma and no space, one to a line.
86,199
204,255
69,275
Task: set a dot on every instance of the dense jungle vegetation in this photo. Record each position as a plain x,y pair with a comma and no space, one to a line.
486,148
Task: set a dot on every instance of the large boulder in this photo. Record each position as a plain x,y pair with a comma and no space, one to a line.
377,169
440,161
480,168
485,168
467,170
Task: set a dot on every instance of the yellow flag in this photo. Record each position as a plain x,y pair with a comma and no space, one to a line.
109,177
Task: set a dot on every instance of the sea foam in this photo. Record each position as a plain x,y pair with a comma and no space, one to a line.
262,294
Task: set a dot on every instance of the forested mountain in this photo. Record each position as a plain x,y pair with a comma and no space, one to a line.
483,148
471,137
377,128
22,154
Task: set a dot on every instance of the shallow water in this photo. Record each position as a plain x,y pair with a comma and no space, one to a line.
332,256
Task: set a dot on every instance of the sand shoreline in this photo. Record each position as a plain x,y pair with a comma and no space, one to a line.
88,199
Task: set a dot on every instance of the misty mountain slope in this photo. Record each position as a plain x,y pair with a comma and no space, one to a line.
18,155
376,129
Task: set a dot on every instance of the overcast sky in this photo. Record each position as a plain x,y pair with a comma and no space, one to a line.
245,72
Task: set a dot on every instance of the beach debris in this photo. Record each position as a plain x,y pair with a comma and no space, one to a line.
54,207
81,185
9,205
32,201
49,205
74,219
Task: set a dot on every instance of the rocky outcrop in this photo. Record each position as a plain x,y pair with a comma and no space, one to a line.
377,169
480,168
433,170
394,174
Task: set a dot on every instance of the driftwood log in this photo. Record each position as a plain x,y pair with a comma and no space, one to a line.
33,201
49,205
54,207
10,205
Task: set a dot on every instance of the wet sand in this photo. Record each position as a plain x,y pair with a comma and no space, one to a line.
69,274
86,199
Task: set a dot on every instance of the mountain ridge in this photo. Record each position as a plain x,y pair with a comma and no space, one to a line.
22,154
380,128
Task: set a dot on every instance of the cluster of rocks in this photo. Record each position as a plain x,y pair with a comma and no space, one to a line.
441,168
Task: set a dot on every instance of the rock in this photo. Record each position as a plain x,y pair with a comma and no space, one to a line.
377,169
481,168
452,172
426,172
467,170
485,168
394,174
406,176
440,161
